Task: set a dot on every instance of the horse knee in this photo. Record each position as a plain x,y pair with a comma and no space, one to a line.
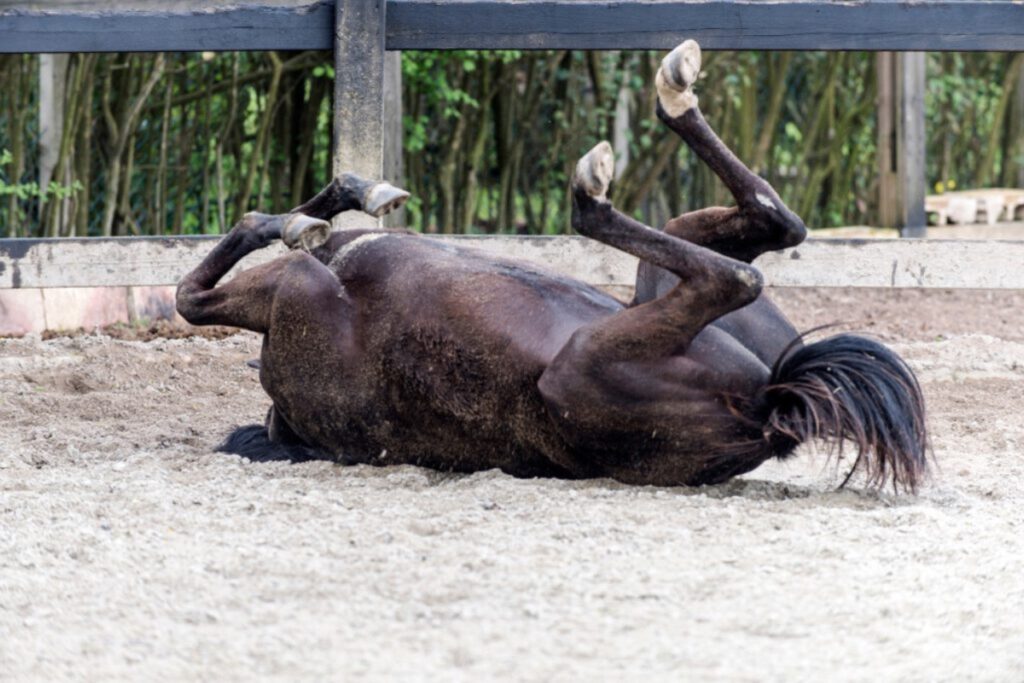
188,302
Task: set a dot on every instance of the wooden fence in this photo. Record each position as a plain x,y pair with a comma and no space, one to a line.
360,31
151,261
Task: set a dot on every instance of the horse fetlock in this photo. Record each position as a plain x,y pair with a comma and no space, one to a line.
252,220
304,232
255,230
595,170
678,72
768,212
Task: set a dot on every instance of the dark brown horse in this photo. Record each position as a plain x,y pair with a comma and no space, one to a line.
386,347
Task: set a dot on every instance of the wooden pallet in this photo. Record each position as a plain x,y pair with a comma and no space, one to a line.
975,206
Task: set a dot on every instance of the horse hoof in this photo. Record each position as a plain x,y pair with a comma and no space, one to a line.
678,72
304,232
383,198
594,171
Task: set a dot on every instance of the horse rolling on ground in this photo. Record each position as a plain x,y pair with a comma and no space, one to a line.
387,347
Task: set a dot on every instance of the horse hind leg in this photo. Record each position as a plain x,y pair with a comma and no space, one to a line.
761,222
710,284
615,383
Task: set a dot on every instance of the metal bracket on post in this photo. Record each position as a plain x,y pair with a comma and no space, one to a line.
359,96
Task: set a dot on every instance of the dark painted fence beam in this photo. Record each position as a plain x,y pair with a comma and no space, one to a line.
715,24
529,24
242,26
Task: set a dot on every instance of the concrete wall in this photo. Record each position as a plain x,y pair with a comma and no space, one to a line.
35,310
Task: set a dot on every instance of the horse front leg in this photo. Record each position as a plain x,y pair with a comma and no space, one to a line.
349,192
245,301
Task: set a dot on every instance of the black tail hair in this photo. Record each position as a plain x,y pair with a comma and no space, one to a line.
848,389
253,442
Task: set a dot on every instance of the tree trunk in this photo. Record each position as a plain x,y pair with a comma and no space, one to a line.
121,132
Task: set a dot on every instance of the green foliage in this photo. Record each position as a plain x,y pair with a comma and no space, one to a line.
31,190
490,138
428,72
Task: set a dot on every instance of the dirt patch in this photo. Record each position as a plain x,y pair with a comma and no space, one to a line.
904,314
148,331
130,551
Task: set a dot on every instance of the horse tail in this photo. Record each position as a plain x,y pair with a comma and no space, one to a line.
848,389
253,442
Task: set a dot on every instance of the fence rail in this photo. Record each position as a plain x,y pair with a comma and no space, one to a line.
360,30
908,263
155,25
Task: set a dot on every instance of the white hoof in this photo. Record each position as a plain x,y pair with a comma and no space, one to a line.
595,170
383,198
679,71
304,232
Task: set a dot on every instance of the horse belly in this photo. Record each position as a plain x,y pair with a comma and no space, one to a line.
461,404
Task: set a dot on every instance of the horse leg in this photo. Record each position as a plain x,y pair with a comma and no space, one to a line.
761,221
630,375
349,192
710,284
246,301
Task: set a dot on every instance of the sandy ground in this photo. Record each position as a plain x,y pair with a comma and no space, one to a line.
129,551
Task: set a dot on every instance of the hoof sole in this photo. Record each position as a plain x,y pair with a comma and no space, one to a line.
383,198
304,232
595,170
678,72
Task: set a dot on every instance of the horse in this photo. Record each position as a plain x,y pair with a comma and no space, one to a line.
385,347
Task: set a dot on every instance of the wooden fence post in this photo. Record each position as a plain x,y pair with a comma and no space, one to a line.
359,95
912,134
888,186
901,142
393,130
